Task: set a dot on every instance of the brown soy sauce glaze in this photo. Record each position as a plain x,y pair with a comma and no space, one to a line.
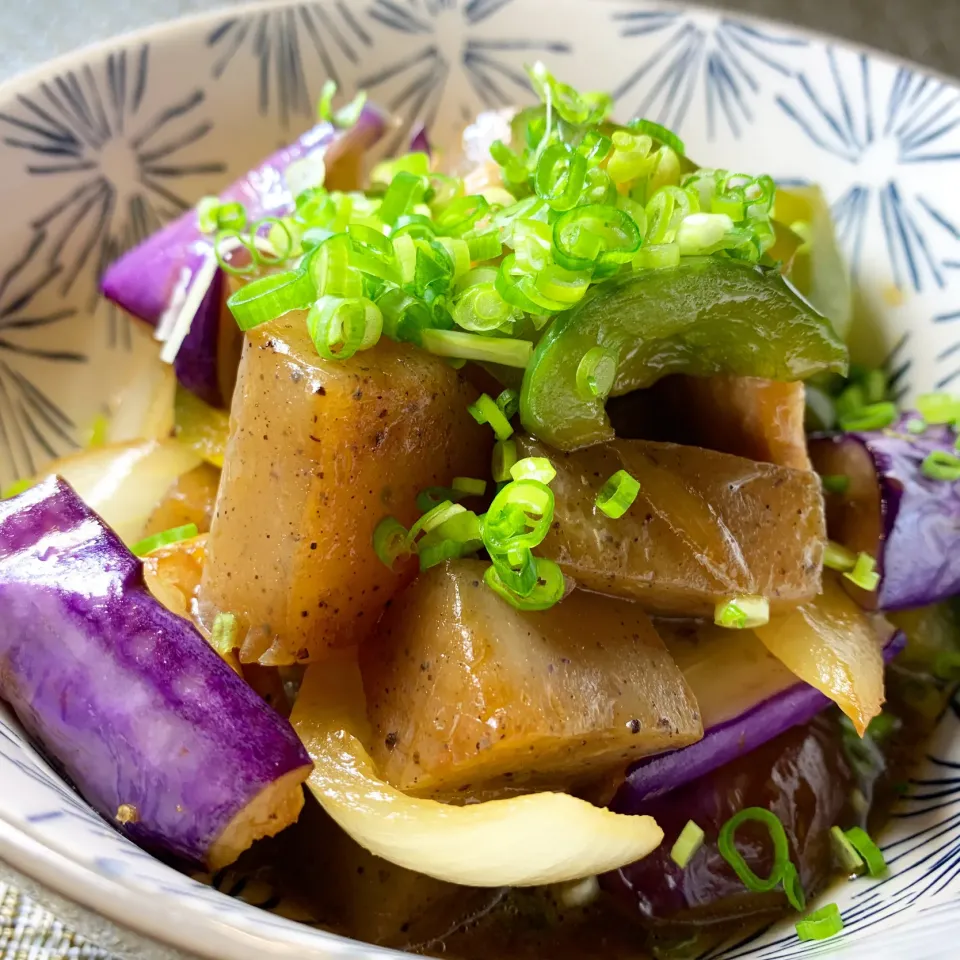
813,776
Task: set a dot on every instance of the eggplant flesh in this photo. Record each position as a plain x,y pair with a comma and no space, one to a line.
154,728
908,522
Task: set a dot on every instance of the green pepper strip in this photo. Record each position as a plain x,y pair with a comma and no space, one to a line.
704,317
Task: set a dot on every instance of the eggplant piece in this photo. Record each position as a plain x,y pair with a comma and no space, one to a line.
802,776
156,731
319,452
469,696
705,527
906,521
173,283
729,731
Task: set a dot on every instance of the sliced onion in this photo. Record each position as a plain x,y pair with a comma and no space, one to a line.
836,647
523,841
125,482
143,408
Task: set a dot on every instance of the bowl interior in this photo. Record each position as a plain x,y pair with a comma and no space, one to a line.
100,148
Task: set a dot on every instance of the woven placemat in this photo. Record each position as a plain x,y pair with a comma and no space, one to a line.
28,932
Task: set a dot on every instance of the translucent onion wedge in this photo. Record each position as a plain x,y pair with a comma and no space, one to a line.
523,841
125,482
836,647
143,408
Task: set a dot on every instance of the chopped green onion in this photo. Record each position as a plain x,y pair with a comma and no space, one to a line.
469,487
433,519
781,851
838,557
277,228
481,309
271,296
850,401
688,843
416,163
346,116
504,457
742,613
231,215
516,570
472,346
700,233
406,190
226,242
509,403
875,386
595,233
163,538
617,495
99,431
16,488
548,591
520,516
657,256
390,541
207,214
871,853
223,634
667,137
339,327
533,468
596,373
836,483
845,853
864,573
821,924
941,465
916,426
434,496
485,245
434,554
938,408
876,416
462,215
793,888
485,410
560,176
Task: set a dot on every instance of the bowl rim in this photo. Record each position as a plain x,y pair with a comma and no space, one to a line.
204,934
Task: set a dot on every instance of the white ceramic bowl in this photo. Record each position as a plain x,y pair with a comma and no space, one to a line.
98,149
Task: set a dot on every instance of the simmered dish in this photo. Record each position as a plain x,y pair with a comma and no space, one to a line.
501,556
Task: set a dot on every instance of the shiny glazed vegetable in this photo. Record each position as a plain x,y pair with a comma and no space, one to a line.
523,841
704,317
749,417
172,280
692,537
190,499
834,646
157,732
465,693
893,511
320,451
746,700
802,777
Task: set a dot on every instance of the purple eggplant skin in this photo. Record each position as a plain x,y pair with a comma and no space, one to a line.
653,777
802,776
420,141
906,521
144,280
153,727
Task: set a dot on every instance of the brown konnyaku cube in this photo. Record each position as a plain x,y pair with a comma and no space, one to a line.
319,452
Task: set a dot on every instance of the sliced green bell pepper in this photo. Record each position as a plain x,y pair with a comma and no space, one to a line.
704,317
